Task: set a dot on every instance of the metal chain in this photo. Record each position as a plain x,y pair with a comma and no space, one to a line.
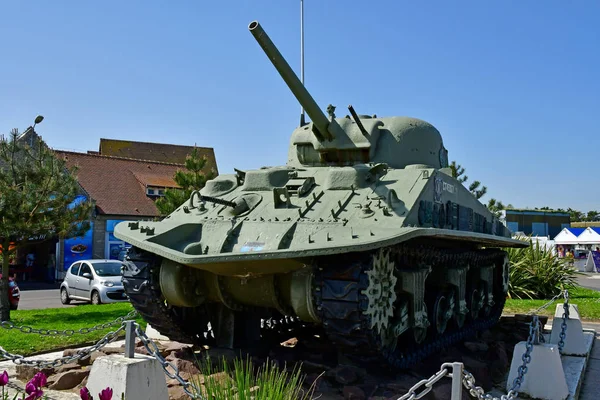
68,332
562,293
563,325
428,383
154,351
80,355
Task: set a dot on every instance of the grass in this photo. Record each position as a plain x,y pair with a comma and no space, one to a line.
587,300
245,382
75,318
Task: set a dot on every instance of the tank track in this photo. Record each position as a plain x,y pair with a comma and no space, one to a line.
141,284
349,328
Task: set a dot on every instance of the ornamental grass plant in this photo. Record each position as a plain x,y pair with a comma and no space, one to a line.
245,382
536,273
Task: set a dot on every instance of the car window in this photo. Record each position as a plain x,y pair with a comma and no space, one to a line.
75,268
85,269
108,268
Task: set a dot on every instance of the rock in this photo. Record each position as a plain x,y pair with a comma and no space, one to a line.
113,350
499,361
186,366
83,383
69,379
480,372
187,377
177,393
290,342
443,391
217,355
476,346
343,375
219,377
26,372
402,384
353,393
95,355
68,367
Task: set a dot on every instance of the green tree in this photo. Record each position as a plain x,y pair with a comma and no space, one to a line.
36,196
576,216
475,187
188,180
496,207
592,216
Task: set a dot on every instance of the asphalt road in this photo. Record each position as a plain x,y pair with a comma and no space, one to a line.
38,299
590,281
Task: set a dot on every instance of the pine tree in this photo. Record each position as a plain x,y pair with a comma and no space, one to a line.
458,172
188,180
36,196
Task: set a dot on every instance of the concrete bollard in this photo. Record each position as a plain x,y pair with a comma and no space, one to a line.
575,343
154,334
139,378
545,378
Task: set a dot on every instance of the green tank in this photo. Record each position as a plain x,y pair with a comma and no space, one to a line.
363,237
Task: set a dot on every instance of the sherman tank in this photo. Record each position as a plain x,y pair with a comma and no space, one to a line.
364,236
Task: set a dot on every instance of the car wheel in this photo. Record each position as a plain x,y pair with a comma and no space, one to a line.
64,296
13,307
96,298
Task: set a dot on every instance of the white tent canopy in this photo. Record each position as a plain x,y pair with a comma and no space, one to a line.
589,236
568,236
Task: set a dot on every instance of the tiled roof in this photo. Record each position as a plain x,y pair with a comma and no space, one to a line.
113,184
169,153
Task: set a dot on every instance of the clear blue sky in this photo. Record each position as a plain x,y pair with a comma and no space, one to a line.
513,86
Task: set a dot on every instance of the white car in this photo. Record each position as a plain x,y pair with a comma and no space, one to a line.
96,281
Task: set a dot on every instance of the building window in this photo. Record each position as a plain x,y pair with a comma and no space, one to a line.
539,228
154,191
513,226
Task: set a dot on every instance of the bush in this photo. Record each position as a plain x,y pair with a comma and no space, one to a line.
536,273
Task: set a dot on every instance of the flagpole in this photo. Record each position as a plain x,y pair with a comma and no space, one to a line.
302,122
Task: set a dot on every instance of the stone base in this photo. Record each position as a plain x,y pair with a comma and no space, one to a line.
139,378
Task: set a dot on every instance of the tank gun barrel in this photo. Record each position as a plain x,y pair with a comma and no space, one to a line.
320,121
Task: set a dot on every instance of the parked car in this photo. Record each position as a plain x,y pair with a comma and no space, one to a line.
96,281
14,294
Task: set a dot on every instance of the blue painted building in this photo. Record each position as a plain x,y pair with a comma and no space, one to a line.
536,222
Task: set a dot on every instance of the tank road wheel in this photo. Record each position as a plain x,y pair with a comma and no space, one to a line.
475,302
442,311
141,281
381,293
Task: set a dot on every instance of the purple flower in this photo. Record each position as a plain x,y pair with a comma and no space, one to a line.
84,394
39,379
106,394
33,391
4,379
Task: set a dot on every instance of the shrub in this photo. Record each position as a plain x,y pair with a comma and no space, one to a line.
536,273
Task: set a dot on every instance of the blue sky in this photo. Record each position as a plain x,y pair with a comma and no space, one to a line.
512,86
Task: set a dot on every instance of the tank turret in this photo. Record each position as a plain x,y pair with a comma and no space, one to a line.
353,139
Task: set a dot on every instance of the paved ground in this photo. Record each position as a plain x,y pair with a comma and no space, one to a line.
591,280
35,296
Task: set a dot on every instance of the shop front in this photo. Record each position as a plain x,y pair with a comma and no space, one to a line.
115,249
